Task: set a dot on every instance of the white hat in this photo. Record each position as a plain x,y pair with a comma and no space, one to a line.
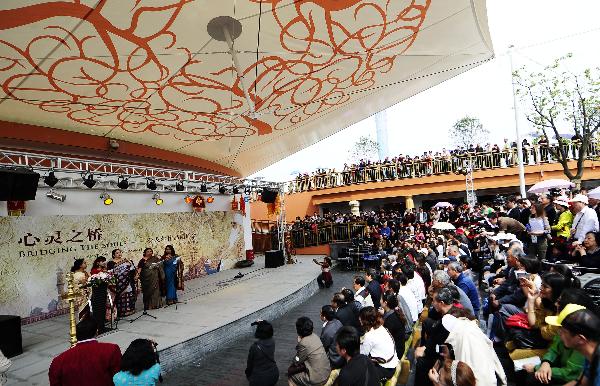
562,201
580,198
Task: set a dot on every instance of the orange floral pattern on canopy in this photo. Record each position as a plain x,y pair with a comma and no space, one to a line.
113,75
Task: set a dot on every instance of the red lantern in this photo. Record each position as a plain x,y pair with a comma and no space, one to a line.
234,204
210,199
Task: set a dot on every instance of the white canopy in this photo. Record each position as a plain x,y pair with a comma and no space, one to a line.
149,72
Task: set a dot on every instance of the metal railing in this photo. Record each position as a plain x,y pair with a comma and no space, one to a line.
532,155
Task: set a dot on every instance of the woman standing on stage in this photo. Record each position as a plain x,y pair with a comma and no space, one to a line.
125,273
173,267
80,278
150,272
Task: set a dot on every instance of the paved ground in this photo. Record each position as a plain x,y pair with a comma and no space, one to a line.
226,366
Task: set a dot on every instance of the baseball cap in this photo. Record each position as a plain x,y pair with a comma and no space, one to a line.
568,310
580,198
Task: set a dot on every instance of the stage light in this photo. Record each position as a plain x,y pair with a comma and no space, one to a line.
105,197
188,199
151,184
51,180
123,183
89,181
221,189
157,199
179,186
236,190
56,196
203,188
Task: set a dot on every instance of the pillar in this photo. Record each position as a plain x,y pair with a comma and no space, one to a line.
354,207
408,201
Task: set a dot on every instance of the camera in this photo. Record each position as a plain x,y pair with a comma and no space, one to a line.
521,274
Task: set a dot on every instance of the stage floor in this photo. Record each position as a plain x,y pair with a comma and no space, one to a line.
216,309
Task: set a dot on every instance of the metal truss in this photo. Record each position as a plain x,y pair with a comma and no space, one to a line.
470,186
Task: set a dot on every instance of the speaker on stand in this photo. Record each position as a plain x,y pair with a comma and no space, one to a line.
274,259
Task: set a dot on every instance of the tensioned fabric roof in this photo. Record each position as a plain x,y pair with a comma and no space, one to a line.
147,72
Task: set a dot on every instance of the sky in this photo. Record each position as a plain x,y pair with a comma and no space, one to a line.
540,30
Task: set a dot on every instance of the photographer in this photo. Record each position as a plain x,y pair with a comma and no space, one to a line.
139,365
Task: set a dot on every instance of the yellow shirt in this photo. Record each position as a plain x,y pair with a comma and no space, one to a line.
563,226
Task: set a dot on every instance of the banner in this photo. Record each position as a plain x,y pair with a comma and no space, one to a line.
38,252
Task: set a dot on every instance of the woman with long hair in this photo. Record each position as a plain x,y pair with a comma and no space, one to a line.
80,278
150,271
538,229
394,320
378,344
173,267
125,274
452,373
139,365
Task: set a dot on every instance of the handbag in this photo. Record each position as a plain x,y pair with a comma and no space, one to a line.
518,320
296,368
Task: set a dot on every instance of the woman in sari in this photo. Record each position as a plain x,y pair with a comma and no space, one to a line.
80,278
173,267
124,271
150,272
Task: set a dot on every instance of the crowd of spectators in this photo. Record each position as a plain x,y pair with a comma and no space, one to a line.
457,161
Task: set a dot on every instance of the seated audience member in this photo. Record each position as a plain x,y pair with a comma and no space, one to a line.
455,271
588,253
330,328
442,280
261,368
373,287
452,372
359,369
405,295
580,330
89,359
343,311
416,285
361,293
394,320
560,364
393,285
508,288
470,345
377,343
311,353
139,365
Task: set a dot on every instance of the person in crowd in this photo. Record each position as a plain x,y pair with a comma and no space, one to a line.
139,365
5,364
151,273
452,372
406,296
441,279
508,224
344,311
311,360
455,271
394,320
173,270
373,287
415,283
99,265
525,206
125,273
585,220
261,368
588,253
331,325
359,369
361,293
580,330
378,344
393,286
89,362
325,279
507,290
562,228
80,279
547,200
539,229
513,210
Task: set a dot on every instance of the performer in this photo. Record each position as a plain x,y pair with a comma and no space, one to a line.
80,278
173,267
126,275
324,279
151,272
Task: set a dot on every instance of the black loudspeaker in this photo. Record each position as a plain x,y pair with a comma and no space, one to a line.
274,259
11,343
268,195
18,184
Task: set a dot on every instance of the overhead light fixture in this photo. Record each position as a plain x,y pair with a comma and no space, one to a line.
123,183
151,184
157,199
203,188
89,181
56,196
179,186
236,190
51,179
105,197
222,189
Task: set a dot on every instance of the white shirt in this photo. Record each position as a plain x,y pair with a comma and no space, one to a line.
417,286
408,296
585,221
365,302
378,343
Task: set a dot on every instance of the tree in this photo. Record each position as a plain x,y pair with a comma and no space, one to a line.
364,148
560,100
468,131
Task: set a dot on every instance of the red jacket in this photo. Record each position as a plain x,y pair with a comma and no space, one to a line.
89,363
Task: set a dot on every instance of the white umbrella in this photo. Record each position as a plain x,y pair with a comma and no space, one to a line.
443,226
544,186
594,193
443,204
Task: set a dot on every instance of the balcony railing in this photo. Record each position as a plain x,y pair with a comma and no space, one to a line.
532,155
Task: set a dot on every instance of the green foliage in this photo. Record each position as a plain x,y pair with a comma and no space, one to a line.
468,131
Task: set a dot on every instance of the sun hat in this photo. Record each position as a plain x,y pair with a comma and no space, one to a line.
562,201
568,310
580,198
